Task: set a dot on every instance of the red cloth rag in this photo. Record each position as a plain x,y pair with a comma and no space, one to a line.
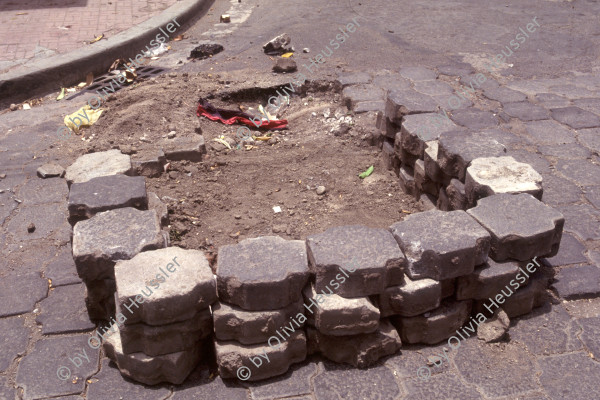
230,117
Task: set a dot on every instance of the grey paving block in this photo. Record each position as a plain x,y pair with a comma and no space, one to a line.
558,190
447,386
14,341
337,316
405,102
457,195
572,376
420,128
418,74
440,244
411,298
345,382
387,154
521,226
109,383
593,195
526,111
432,168
504,95
264,273
201,385
369,106
391,81
149,163
452,102
353,78
50,170
590,138
435,326
165,339
494,175
107,193
582,172
358,350
168,285
47,218
547,330
581,219
39,371
570,252
567,151
369,269
433,88
487,280
458,148
352,95
6,392
478,82
262,361
407,181
549,132
590,104
63,311
98,243
578,282
487,369
252,327
42,191
171,368
18,294
576,118
589,336
61,270
424,183
93,165
190,148
295,382
455,68
551,100
473,118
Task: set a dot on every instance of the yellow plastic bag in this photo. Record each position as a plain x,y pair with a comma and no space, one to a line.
85,116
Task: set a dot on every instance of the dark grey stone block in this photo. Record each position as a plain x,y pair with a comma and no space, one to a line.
387,153
590,138
353,78
433,88
18,294
14,341
582,220
456,68
458,148
420,128
370,269
548,132
423,182
63,311
43,191
61,270
567,151
558,190
504,95
264,273
590,334
526,111
570,252
475,119
521,226
593,195
441,245
107,193
352,95
411,298
576,118
202,384
457,196
487,280
407,181
560,384
582,172
418,74
190,148
405,102
578,282
551,100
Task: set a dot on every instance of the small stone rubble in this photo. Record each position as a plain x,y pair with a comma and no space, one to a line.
352,294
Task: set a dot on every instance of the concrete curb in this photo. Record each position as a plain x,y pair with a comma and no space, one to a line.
67,69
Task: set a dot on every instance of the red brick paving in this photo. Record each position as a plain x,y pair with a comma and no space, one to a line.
27,24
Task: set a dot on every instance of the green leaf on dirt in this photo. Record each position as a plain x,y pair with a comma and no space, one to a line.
368,172
61,95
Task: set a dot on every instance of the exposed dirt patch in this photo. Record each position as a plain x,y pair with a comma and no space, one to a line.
231,194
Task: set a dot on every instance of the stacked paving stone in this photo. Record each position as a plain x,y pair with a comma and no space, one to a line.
258,321
163,317
350,264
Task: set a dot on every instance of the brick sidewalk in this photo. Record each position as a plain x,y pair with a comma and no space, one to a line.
34,28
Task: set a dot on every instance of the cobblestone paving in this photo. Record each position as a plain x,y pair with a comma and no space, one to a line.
59,27
552,353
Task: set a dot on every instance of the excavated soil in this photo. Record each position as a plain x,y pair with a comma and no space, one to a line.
236,194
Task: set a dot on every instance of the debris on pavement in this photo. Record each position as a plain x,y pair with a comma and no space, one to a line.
86,117
230,117
61,95
277,45
50,171
206,50
285,65
97,39
495,328
321,190
163,48
31,228
225,18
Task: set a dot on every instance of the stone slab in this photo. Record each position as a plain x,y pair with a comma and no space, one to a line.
252,327
107,193
358,350
441,244
110,236
18,294
61,270
487,280
63,311
411,298
165,286
578,282
15,337
521,226
576,118
184,148
93,165
526,111
420,128
473,118
457,195
405,102
334,315
339,254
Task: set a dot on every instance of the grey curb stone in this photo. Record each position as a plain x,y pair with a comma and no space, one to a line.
264,273
521,226
441,244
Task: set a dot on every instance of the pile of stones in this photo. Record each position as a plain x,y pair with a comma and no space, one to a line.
352,293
